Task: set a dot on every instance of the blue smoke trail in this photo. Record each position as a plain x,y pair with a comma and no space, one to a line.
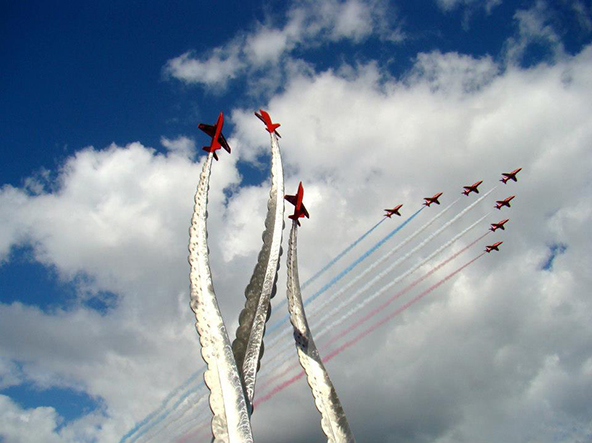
166,413
348,269
162,406
332,262
341,254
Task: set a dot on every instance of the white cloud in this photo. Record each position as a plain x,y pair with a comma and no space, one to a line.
221,65
308,24
534,28
449,5
182,146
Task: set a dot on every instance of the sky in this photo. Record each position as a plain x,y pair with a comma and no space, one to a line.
380,103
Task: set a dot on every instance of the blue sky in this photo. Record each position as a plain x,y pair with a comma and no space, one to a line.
100,147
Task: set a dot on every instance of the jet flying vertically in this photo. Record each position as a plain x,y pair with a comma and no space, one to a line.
510,175
218,140
493,247
296,200
472,188
504,202
265,118
499,225
430,200
394,211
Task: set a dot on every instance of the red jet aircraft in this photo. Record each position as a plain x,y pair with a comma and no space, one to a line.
493,247
296,200
265,118
499,225
430,200
472,188
504,202
391,212
218,140
510,175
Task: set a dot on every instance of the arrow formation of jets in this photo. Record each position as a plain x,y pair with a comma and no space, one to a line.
466,191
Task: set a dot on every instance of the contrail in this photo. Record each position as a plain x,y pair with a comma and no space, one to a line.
372,328
165,414
384,273
367,331
332,297
341,254
394,297
366,271
162,405
389,254
333,261
384,288
349,268
193,405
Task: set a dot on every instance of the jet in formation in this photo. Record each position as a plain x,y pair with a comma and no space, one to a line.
430,200
472,188
510,175
265,118
394,211
499,225
296,200
505,202
493,247
218,140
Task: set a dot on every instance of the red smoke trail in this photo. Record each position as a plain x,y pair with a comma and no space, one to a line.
402,292
271,379
364,333
192,436
367,331
278,388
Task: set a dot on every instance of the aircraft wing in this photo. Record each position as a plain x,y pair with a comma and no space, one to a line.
223,142
305,212
291,198
208,129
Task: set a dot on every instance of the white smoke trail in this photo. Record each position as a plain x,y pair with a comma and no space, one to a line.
389,285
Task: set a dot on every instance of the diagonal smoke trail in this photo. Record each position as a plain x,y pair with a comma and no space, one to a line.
333,261
372,328
162,406
397,295
191,406
367,331
332,297
341,254
389,254
389,285
384,273
350,267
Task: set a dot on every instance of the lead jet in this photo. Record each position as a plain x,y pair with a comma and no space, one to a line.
296,200
472,188
430,200
510,175
504,202
499,225
265,118
218,140
493,247
394,211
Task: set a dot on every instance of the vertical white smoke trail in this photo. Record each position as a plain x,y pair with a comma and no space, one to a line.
333,420
230,422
